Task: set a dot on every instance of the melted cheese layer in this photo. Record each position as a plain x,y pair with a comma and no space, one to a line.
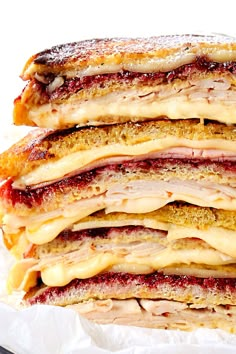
62,269
134,104
49,171
61,274
217,237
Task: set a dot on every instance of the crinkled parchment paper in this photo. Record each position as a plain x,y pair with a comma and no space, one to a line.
54,330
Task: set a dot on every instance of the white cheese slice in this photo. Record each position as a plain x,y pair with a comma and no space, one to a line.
133,104
64,268
88,159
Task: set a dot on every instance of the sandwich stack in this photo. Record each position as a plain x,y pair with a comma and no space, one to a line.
122,203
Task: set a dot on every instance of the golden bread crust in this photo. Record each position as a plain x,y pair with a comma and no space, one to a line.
79,55
17,157
43,145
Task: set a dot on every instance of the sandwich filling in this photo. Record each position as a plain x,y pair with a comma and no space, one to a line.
133,187
129,249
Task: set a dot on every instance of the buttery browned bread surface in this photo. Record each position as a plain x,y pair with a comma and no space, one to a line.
43,145
91,53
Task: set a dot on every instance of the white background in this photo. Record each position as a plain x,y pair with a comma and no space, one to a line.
29,26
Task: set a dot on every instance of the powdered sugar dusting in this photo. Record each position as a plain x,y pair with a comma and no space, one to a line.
109,46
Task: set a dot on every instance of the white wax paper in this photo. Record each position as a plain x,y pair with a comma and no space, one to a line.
55,330
52,330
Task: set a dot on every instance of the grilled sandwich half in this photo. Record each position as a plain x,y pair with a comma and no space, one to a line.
107,81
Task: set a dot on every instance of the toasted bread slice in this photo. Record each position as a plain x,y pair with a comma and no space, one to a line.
76,57
188,289
44,156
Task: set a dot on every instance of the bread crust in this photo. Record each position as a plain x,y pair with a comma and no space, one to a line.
43,145
95,52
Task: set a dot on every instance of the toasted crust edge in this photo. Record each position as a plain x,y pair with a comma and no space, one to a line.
43,145
116,50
